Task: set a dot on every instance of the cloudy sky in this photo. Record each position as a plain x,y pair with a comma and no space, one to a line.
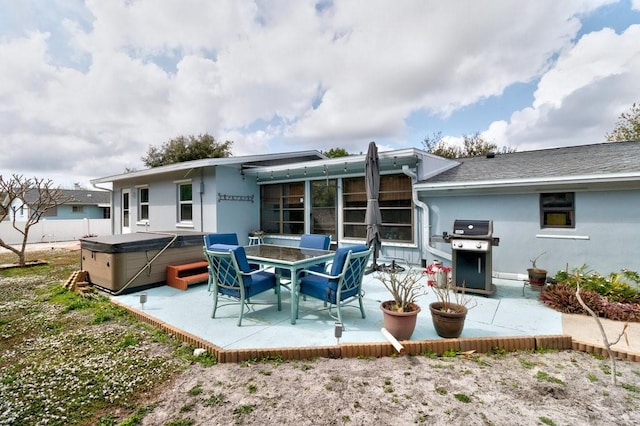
87,86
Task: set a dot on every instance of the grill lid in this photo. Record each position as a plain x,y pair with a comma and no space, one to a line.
473,228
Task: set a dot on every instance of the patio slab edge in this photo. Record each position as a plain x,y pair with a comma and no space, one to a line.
381,349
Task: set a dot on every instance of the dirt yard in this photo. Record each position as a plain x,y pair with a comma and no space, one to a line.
555,388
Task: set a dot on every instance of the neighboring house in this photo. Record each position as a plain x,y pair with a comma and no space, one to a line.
577,204
81,204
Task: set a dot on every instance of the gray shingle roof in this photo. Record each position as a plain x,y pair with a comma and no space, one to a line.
77,197
582,160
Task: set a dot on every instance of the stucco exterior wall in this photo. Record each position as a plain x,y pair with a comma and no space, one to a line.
233,212
209,214
605,237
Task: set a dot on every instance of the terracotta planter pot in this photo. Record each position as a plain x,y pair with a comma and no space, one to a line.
448,324
537,277
399,324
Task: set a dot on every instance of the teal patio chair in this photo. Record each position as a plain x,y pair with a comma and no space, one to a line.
229,238
231,276
343,284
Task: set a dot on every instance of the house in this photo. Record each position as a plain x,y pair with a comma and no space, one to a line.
576,204
284,195
79,204
208,195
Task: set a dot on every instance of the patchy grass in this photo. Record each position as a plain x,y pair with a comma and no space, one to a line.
545,377
65,358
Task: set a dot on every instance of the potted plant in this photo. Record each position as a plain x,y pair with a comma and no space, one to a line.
449,311
256,233
401,312
537,276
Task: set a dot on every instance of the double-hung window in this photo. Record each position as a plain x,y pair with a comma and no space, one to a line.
143,203
185,202
282,208
396,208
557,210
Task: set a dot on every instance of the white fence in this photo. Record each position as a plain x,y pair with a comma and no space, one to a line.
47,231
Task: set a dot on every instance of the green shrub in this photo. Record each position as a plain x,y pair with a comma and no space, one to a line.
617,287
609,297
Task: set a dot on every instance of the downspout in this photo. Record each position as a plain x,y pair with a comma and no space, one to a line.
201,199
111,207
424,234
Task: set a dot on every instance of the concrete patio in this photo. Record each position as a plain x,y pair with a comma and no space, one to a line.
512,311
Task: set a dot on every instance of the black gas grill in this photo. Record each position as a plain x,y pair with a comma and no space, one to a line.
471,255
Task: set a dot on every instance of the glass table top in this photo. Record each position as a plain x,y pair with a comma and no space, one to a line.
285,253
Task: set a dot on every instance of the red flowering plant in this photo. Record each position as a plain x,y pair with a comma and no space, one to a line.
447,294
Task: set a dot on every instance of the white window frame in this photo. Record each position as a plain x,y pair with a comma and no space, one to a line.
142,220
180,203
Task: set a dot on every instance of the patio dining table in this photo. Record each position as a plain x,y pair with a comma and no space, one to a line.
292,258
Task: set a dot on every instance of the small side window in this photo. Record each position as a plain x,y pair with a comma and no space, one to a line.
557,210
143,203
185,203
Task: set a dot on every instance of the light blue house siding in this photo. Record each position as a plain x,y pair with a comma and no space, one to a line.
603,244
67,211
220,202
235,203
223,197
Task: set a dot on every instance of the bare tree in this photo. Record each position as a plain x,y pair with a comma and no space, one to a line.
36,196
605,339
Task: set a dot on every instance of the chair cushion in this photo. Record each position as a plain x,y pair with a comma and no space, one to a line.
326,289
323,288
318,287
255,283
259,282
315,241
227,278
341,256
229,239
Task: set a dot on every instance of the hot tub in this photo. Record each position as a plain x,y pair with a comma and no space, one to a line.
130,262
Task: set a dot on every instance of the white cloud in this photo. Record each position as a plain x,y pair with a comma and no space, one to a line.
91,85
579,100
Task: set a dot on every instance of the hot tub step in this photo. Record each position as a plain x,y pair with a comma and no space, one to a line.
181,276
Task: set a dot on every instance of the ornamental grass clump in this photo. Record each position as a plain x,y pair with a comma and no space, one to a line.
447,293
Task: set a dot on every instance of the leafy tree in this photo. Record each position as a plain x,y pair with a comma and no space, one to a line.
336,152
474,145
628,126
185,149
36,196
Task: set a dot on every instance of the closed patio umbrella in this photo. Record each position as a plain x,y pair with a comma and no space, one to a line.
373,218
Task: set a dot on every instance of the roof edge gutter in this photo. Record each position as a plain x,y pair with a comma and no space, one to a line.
95,185
426,222
612,177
